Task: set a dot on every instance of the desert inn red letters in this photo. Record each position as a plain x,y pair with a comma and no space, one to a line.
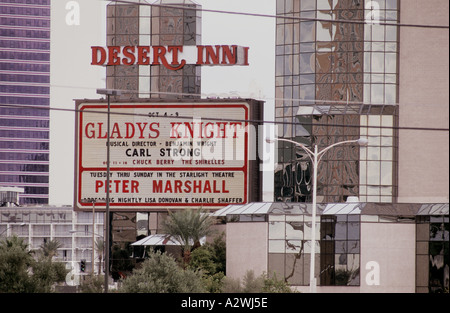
171,57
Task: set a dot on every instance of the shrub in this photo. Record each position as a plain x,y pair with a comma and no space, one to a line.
20,272
255,284
161,274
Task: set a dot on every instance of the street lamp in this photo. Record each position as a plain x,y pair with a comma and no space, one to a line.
8,227
315,157
72,231
108,93
93,230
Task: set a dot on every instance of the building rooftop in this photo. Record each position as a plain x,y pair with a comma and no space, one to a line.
402,209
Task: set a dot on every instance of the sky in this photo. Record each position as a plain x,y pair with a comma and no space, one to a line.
78,25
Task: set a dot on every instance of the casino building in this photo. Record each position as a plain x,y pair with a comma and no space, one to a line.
24,90
347,70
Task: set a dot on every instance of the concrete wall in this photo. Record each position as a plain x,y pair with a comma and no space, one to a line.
247,248
424,102
388,254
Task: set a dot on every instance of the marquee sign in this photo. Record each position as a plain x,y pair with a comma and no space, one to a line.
162,155
172,57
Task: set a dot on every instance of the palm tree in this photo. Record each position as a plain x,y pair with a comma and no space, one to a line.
188,227
14,241
50,248
100,248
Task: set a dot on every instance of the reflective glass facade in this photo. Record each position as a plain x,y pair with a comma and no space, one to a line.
25,81
340,250
408,242
433,254
132,25
337,81
290,247
337,247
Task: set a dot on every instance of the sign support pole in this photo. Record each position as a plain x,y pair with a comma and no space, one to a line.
108,93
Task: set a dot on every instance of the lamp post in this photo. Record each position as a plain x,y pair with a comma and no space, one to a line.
93,245
316,157
108,93
93,231
93,236
8,227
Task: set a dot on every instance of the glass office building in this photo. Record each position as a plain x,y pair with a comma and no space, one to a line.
350,69
25,97
360,247
154,23
336,80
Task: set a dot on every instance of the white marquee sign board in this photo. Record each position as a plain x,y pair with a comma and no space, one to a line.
162,155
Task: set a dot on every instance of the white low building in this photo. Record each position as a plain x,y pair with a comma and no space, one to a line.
75,231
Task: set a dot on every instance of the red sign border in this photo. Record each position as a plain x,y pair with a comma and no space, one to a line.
121,206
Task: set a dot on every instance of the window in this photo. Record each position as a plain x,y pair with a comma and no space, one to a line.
340,250
318,63
432,254
290,247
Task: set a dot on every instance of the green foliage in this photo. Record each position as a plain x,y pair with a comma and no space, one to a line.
188,227
210,260
275,285
120,259
93,284
232,285
255,284
46,273
218,249
21,273
100,249
161,274
15,261
211,257
50,248
214,283
202,259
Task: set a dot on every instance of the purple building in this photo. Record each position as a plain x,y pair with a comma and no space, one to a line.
25,97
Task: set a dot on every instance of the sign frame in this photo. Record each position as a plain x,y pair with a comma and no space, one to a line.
249,169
